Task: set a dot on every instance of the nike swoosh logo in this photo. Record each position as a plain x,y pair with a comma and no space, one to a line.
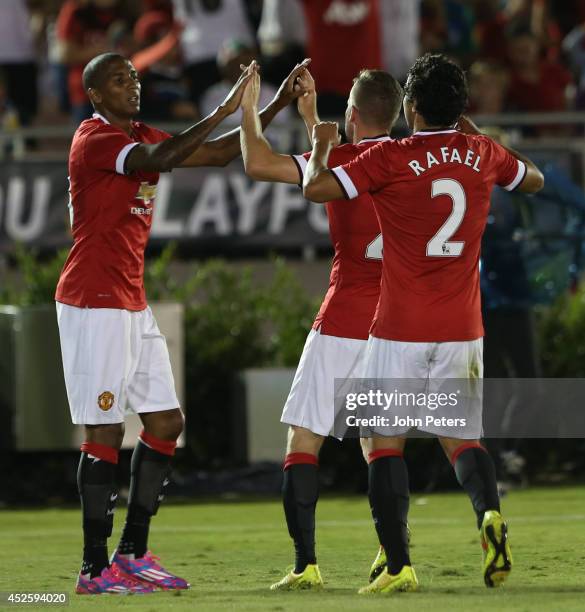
113,497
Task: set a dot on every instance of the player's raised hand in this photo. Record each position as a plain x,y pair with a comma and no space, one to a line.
252,92
288,90
326,131
307,102
234,97
466,125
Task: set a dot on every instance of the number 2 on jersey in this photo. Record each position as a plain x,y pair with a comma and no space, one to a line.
374,249
439,245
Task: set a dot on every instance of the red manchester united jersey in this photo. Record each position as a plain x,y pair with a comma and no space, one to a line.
344,36
432,195
354,284
111,215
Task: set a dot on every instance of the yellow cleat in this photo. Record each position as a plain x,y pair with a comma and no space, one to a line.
497,557
381,561
404,581
309,579
378,565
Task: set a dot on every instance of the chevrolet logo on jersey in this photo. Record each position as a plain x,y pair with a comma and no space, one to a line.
146,193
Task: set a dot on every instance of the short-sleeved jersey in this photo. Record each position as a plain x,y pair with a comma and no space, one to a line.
344,34
354,284
431,193
111,215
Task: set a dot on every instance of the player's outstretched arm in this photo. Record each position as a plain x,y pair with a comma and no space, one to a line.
260,161
319,185
533,180
222,150
170,153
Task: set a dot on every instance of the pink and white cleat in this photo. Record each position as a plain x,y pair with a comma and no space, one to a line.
112,581
148,571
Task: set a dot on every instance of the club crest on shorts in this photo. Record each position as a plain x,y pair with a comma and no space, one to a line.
106,400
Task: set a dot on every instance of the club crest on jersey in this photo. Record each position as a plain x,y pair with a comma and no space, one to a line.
105,400
146,193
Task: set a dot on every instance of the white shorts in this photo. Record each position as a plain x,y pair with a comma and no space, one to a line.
115,361
393,359
310,403
427,367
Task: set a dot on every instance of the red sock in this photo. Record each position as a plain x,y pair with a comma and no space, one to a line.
297,458
100,451
165,447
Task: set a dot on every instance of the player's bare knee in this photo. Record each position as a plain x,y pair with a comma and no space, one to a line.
366,447
302,440
108,435
166,425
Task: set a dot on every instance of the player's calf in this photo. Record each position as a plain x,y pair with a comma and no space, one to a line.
96,481
149,477
476,473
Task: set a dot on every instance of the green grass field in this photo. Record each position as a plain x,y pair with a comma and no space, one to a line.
231,552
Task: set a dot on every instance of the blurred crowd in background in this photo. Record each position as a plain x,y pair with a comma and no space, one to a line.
521,55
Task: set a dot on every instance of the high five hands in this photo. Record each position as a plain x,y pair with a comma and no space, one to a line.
294,85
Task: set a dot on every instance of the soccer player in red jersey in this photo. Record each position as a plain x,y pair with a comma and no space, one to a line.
114,356
335,345
431,194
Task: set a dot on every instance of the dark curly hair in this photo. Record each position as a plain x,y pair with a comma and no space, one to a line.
438,88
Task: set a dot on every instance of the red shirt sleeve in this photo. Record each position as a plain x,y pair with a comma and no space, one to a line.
509,170
107,149
368,172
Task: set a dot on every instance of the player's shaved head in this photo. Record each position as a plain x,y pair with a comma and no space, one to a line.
378,97
97,69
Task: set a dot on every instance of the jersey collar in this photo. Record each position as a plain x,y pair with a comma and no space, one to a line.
101,117
375,139
431,132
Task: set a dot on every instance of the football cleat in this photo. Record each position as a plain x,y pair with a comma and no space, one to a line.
381,560
404,581
497,557
110,581
147,570
378,565
310,578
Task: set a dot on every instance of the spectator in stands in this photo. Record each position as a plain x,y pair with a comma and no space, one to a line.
18,63
343,37
86,28
490,31
232,54
400,22
165,94
488,88
574,47
447,27
207,24
283,38
164,6
535,85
